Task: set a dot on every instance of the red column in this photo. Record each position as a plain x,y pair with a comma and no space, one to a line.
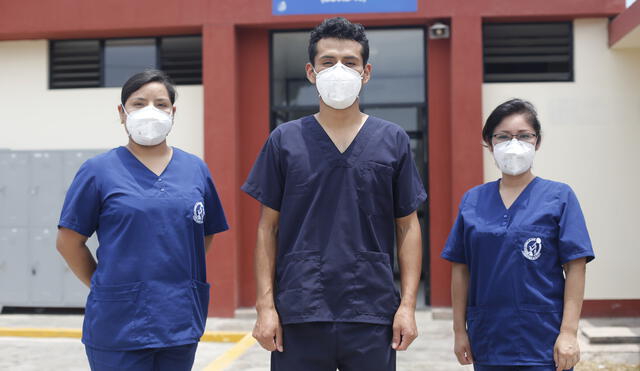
439,83
461,147
253,61
221,138
466,106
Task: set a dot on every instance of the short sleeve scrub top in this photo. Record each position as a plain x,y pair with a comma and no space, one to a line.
515,258
149,289
335,248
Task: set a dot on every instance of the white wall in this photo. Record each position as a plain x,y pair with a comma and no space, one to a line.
32,117
591,140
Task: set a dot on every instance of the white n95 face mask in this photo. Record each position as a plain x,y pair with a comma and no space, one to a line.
148,126
514,157
338,85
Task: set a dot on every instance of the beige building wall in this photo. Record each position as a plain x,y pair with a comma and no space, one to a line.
32,117
591,131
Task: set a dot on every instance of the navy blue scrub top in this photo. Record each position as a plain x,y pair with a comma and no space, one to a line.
515,258
149,289
335,249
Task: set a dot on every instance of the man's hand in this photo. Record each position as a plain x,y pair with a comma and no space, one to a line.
268,330
405,330
462,348
566,352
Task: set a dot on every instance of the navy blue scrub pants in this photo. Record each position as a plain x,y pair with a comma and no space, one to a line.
327,346
514,368
179,358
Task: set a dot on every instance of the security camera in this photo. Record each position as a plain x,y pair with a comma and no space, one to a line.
439,31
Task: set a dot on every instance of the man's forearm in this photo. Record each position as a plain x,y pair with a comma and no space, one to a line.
409,241
265,262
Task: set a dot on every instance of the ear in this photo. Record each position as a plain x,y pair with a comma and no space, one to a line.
123,116
311,75
366,75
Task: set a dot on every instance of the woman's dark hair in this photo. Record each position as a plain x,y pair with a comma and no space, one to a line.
140,79
511,107
338,28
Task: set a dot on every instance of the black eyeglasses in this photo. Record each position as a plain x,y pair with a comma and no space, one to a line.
524,137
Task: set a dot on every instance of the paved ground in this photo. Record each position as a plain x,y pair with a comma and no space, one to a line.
431,351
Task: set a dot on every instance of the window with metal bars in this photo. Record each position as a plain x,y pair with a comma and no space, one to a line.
109,62
527,52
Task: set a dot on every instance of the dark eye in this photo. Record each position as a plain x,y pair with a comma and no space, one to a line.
502,137
525,136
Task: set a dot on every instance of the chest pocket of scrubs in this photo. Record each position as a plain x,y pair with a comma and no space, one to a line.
375,188
541,280
113,314
299,285
297,182
374,291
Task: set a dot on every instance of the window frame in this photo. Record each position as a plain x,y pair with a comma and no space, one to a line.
571,52
102,45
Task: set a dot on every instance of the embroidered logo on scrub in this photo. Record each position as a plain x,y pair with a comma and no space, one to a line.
532,248
198,212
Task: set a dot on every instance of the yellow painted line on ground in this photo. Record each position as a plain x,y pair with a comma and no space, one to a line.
222,336
232,354
41,332
208,336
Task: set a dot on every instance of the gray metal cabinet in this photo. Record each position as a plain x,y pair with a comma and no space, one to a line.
33,185
14,180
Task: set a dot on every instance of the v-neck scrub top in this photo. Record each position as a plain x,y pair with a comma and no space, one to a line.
337,218
149,289
515,257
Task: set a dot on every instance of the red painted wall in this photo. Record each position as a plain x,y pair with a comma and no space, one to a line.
624,23
236,97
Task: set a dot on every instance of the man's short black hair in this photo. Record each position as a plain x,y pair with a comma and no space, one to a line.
338,28
511,107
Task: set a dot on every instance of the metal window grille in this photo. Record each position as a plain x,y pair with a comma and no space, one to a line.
75,64
528,52
181,58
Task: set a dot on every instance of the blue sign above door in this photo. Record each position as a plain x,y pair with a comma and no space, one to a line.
291,7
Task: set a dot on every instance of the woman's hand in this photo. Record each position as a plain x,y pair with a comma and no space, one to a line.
566,352
462,348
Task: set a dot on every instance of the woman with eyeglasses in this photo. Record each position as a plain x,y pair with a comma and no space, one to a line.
519,247
155,210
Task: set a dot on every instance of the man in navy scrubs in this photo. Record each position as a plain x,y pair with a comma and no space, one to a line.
338,190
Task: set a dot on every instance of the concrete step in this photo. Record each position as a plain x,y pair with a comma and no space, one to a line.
612,335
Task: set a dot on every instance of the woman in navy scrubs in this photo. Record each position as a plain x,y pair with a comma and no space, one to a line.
155,210
519,248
